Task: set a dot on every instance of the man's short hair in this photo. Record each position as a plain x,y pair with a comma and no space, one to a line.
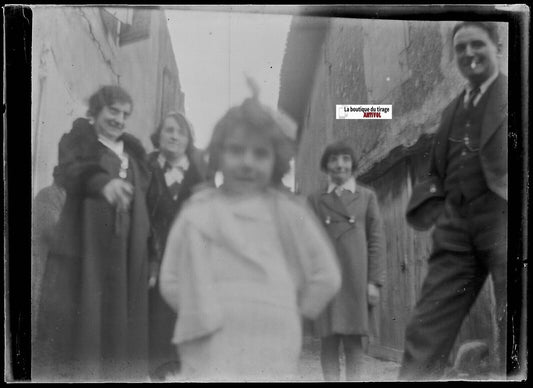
337,148
490,28
107,96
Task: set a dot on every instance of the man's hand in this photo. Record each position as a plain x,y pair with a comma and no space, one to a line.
118,192
373,294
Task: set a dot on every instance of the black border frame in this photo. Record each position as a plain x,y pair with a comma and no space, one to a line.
17,181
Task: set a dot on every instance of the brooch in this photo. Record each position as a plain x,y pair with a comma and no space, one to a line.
328,220
123,173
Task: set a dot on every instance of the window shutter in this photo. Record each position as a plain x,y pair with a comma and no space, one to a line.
139,28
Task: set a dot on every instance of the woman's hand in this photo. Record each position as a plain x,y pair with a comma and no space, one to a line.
373,294
118,192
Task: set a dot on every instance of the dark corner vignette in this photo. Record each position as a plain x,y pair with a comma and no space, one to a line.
17,202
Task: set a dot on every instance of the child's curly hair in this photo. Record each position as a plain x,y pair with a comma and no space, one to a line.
252,116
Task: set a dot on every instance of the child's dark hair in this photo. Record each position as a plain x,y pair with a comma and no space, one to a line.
107,96
183,123
337,148
252,116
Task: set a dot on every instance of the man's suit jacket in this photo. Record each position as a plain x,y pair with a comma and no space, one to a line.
428,196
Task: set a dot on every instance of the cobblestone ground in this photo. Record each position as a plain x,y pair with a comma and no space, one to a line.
310,370
371,369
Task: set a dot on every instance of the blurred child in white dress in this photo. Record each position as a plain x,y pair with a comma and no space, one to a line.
245,262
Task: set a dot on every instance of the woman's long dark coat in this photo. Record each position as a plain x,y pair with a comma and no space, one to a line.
94,311
163,210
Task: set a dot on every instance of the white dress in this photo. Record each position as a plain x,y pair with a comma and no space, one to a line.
225,269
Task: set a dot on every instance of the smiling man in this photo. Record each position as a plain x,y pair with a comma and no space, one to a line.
465,196
350,215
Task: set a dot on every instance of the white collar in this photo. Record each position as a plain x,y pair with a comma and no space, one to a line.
348,185
182,163
482,88
116,146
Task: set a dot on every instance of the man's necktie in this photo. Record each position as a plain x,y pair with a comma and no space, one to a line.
473,94
339,190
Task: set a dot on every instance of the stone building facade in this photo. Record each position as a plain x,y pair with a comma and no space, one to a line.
77,49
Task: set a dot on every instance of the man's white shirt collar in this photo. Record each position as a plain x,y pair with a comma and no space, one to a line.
348,185
482,88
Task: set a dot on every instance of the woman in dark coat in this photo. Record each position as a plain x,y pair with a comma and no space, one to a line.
94,304
176,168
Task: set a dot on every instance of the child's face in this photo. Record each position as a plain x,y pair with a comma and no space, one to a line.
247,161
340,168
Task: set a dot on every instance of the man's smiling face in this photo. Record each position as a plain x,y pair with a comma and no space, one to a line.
476,54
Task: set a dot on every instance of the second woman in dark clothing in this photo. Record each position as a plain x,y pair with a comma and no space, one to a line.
176,168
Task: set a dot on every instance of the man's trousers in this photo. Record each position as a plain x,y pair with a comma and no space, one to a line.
469,243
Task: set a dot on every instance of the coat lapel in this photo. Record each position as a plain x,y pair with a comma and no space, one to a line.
333,203
495,113
335,215
441,138
496,109
352,203
134,148
191,178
